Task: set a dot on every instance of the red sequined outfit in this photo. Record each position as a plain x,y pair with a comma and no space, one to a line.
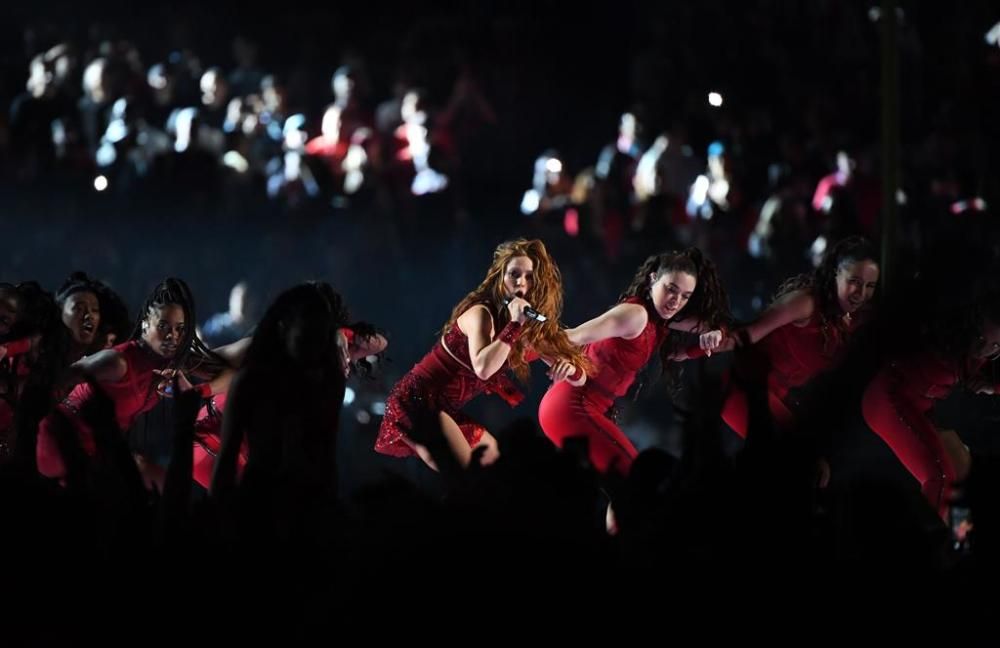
442,382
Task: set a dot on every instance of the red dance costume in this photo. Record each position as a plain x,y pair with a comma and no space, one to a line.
132,396
208,441
442,382
567,411
6,429
8,401
897,405
787,358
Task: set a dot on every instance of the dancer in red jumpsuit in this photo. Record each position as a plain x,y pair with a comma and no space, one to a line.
673,290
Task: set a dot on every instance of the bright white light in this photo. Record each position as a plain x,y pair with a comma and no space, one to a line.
817,249
552,165
236,162
530,202
699,190
714,99
428,181
993,35
100,183
348,396
106,155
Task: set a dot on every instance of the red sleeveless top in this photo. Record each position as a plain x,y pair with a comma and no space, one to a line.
134,394
797,353
617,361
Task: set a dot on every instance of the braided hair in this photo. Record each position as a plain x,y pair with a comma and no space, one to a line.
192,354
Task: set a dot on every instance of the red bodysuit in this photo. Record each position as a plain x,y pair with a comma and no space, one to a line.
897,405
15,352
132,396
442,382
567,411
208,441
787,358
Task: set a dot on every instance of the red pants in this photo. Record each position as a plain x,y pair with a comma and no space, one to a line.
567,412
206,451
208,443
912,437
736,410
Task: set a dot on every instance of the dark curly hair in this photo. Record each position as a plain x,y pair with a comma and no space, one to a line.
822,283
708,305
317,305
114,313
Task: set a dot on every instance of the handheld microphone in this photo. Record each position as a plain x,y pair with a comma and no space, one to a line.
529,312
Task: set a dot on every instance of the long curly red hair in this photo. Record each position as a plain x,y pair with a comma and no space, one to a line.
548,338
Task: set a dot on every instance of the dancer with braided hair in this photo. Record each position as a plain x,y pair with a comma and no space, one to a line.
136,373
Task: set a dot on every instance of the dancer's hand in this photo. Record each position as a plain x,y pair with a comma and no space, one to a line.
563,370
710,341
344,349
560,371
165,388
